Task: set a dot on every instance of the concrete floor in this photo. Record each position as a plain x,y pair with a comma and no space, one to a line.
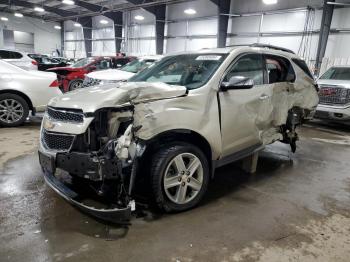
296,208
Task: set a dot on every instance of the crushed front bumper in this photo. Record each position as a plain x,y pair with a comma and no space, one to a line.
114,215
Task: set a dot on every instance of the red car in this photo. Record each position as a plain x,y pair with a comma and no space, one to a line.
72,77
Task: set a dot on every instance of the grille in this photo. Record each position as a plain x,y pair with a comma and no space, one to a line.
59,142
333,95
91,82
65,115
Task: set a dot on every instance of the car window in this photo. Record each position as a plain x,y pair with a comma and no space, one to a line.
248,66
103,64
337,73
137,65
83,62
16,55
4,54
190,70
303,66
119,62
279,69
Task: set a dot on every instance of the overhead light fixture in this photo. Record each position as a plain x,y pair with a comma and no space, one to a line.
39,9
57,27
4,18
68,2
103,21
139,17
77,25
190,11
18,15
270,2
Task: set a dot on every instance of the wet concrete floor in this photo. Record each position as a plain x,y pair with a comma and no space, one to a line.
296,208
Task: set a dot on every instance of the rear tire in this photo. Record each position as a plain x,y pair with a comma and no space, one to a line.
179,177
75,84
14,110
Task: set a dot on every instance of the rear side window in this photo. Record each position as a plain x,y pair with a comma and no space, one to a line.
303,66
279,69
4,54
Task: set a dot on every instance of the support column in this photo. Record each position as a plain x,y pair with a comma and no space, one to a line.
223,18
86,23
159,12
327,16
62,38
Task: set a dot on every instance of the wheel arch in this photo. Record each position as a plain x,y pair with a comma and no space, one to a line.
21,94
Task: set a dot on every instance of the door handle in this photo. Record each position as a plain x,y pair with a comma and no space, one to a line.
264,97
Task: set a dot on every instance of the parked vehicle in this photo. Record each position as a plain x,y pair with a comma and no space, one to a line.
121,74
170,126
22,91
18,58
334,95
72,77
45,62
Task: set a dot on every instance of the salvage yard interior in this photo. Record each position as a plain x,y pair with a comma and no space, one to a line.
173,130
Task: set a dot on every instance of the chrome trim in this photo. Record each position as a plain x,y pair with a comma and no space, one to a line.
64,112
46,147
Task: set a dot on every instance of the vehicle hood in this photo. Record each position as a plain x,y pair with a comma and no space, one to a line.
116,95
110,74
343,83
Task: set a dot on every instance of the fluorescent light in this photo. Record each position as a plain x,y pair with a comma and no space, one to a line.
103,21
4,18
77,25
270,2
39,9
68,2
139,17
190,11
57,27
18,15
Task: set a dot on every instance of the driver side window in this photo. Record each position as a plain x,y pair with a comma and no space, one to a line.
248,66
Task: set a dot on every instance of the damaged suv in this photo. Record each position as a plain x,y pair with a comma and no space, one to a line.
172,125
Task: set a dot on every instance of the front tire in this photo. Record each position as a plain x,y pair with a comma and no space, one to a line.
14,110
75,84
179,176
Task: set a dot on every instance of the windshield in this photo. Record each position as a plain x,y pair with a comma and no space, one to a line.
191,70
137,65
83,62
337,73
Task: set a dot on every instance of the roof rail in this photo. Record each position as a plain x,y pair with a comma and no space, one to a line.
266,46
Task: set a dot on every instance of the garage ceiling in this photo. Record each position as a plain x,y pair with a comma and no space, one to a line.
56,10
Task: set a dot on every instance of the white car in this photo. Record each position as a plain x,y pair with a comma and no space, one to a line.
22,91
121,74
18,58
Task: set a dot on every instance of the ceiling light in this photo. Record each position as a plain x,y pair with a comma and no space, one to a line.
39,9
18,15
4,18
103,21
68,2
270,2
139,17
190,11
77,25
57,27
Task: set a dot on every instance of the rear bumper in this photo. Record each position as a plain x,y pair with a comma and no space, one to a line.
333,113
114,215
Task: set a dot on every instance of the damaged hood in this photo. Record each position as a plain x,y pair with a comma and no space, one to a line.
114,95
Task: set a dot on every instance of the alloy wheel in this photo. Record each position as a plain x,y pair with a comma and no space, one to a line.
11,111
183,178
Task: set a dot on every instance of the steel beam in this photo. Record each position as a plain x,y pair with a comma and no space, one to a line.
326,21
86,23
223,8
90,6
62,38
30,5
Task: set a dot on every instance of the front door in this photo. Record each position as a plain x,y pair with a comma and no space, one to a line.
245,113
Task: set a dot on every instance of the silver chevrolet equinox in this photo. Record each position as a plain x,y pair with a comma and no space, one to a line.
169,127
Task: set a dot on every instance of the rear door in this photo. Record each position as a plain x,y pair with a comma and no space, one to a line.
245,112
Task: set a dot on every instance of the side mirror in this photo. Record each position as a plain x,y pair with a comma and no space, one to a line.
237,82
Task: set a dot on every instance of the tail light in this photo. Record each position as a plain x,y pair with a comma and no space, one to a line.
55,84
34,62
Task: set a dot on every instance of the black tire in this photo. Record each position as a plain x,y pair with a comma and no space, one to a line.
20,101
73,83
160,162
